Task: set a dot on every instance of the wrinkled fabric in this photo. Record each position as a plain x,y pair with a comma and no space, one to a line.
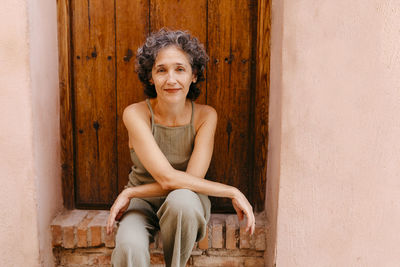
181,217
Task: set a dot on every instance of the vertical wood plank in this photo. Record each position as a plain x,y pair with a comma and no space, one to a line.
95,101
181,15
229,90
66,107
132,27
261,102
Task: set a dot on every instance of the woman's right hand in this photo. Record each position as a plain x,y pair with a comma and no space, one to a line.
120,205
243,208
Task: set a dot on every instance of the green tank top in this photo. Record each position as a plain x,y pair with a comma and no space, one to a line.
176,143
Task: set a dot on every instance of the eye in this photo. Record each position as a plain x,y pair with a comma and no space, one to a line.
160,70
181,69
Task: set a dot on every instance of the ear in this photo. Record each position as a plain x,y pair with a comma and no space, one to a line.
194,78
151,81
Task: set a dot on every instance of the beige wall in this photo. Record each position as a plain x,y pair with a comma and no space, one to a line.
336,70
29,137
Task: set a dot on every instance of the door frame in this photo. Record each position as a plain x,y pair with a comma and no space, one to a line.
67,108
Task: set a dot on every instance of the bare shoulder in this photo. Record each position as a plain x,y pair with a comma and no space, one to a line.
136,111
204,111
204,114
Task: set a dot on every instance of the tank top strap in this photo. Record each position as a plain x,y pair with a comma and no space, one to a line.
152,114
191,119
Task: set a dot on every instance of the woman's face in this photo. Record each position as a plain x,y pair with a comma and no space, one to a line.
172,74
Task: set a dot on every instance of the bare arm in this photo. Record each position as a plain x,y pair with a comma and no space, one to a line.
204,143
167,177
158,166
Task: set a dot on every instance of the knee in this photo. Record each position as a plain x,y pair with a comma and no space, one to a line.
183,203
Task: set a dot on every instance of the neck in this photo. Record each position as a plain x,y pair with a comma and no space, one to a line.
171,114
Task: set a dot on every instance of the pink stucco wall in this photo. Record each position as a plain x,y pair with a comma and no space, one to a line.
335,135
333,176
29,137
46,118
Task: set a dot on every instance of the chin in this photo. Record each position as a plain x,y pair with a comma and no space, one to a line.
175,98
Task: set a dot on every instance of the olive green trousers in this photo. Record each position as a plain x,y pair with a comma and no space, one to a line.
181,217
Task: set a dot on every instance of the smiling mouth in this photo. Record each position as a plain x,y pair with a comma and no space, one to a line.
172,90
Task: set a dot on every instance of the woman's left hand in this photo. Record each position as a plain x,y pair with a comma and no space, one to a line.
243,208
120,205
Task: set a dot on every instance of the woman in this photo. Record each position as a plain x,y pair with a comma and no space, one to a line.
171,140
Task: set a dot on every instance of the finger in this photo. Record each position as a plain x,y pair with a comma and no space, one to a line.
249,223
110,222
249,226
108,228
238,212
253,225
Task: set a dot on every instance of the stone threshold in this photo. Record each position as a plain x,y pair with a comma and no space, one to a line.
79,239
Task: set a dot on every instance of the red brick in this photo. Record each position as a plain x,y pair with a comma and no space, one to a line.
96,227
95,236
56,235
252,262
76,258
158,241
109,240
104,259
67,221
68,237
260,238
82,229
227,261
81,235
203,244
217,234
250,254
93,259
232,227
189,262
196,252
244,238
157,258
234,253
152,245
204,261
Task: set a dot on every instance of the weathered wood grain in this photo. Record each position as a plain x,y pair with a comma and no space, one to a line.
132,27
261,102
229,91
66,102
95,101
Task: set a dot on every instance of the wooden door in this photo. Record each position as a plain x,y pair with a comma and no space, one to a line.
104,35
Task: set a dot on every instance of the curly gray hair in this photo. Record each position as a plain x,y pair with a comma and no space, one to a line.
146,56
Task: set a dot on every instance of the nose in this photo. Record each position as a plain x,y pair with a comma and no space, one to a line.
171,79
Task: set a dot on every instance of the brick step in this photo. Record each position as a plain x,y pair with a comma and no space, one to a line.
79,239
